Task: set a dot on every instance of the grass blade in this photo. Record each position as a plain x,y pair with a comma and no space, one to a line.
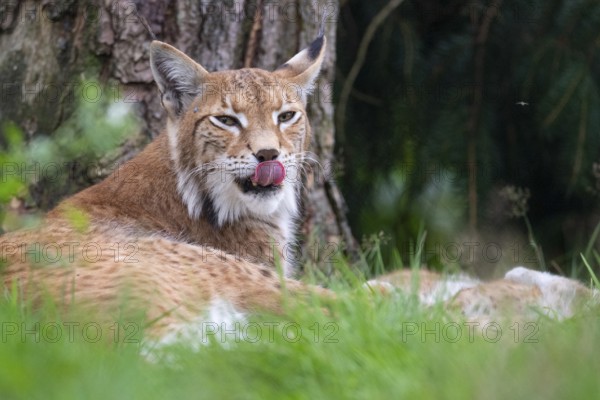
592,274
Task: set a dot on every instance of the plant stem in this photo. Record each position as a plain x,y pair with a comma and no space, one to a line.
532,242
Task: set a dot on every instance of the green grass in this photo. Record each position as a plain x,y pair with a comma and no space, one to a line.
361,346
366,347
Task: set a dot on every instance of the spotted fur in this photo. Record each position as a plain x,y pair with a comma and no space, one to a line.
180,227
523,294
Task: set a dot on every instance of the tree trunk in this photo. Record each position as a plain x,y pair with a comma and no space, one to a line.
47,46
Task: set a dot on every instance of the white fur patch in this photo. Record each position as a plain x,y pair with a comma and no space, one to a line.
232,204
558,293
442,291
221,323
172,134
447,288
190,193
187,186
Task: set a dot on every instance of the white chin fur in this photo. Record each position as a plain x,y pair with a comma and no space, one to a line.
262,205
231,203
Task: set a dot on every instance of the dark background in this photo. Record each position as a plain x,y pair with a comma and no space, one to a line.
437,102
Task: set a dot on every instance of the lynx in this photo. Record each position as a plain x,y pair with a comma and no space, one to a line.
523,294
198,222
201,216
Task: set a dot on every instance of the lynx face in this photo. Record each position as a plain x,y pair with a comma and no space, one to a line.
237,138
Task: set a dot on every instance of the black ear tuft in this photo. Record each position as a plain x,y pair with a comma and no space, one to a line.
315,47
303,69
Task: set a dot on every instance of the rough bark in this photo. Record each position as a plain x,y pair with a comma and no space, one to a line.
46,44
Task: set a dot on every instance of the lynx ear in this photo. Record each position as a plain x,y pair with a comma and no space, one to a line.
179,78
303,69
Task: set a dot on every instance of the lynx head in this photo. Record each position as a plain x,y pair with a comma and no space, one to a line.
237,138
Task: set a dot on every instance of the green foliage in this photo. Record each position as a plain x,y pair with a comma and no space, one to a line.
12,185
78,219
422,72
93,131
592,274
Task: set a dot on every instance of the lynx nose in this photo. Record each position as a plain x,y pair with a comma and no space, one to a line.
266,155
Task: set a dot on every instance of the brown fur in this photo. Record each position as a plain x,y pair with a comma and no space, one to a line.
173,258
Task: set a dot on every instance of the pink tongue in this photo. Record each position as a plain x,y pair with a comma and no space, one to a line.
269,173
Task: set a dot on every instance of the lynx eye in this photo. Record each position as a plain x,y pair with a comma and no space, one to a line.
227,120
286,116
